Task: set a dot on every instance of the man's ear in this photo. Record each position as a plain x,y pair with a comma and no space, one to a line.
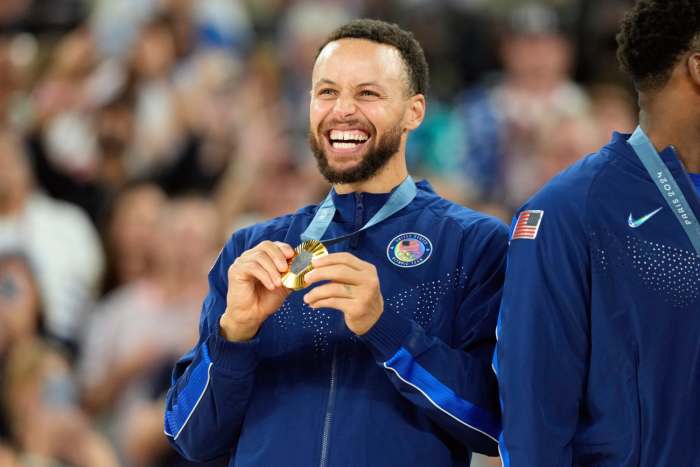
415,112
694,67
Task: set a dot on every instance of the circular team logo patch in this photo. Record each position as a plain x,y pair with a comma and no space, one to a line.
409,250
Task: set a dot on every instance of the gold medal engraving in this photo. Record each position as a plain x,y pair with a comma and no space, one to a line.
300,263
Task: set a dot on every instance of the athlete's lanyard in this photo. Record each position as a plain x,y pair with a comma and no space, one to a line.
399,199
667,185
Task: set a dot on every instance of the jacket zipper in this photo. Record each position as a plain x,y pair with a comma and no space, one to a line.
359,220
328,420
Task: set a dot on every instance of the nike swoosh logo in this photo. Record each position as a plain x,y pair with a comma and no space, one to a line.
634,223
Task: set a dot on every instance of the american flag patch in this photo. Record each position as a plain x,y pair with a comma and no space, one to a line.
527,225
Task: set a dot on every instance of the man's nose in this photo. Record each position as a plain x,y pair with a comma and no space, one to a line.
344,106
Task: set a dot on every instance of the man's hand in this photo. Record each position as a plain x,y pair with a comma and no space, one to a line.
353,289
255,289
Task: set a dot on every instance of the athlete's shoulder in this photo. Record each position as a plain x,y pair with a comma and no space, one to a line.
469,221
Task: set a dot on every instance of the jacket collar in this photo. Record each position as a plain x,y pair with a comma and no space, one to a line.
348,205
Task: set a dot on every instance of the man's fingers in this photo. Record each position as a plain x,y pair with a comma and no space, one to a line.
255,270
335,273
286,249
340,258
340,304
276,254
269,265
332,290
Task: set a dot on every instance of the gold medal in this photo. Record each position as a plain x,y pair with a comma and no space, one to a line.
300,263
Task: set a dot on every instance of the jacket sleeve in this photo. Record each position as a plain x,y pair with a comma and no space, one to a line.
453,382
211,385
541,356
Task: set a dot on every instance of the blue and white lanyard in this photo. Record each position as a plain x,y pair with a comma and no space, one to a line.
667,185
399,199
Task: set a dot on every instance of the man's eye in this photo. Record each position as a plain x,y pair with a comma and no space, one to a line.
367,92
326,92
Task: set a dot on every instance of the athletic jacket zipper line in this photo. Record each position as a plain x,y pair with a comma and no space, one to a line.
359,220
328,419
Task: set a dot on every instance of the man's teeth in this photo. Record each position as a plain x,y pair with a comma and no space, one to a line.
353,135
339,145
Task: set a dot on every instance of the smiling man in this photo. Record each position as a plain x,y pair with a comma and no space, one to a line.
382,355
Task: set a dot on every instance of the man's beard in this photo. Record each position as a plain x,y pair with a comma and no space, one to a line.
372,162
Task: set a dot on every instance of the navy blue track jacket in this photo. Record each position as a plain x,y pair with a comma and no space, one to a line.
416,390
598,353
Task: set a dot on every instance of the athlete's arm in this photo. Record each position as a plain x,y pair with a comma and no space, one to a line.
453,382
542,351
211,385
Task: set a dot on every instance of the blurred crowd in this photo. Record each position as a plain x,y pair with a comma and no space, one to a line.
136,135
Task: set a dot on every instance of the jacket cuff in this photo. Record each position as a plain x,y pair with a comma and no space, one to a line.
387,335
233,358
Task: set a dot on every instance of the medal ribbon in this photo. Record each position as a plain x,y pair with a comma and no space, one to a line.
399,199
667,185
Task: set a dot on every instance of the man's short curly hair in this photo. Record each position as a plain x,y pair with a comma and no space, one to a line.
391,34
654,36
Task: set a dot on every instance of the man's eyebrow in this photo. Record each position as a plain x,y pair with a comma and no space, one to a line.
325,81
333,83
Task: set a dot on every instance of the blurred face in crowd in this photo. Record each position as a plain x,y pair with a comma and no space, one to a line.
19,301
563,143
155,52
537,58
131,237
189,236
360,109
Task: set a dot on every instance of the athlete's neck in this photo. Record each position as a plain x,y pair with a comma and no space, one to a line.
668,122
389,177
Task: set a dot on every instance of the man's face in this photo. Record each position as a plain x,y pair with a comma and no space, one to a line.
359,103
541,57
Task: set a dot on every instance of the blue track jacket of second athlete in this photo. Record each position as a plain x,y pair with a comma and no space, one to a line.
598,353
416,390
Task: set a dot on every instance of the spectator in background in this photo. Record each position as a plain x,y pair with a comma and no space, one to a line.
499,122
57,238
45,422
159,126
20,313
63,140
62,107
39,415
560,143
130,234
20,301
147,322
